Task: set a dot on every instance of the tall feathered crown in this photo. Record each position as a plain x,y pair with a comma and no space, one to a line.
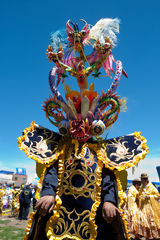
84,113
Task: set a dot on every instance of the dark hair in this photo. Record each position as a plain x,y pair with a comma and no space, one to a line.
146,179
136,183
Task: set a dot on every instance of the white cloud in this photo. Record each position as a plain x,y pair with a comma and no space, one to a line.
147,165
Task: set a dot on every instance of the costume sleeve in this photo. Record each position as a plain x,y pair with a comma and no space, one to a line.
50,182
109,187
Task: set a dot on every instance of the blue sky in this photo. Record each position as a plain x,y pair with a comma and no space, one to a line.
25,30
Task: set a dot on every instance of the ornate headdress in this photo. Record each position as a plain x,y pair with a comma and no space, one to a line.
84,113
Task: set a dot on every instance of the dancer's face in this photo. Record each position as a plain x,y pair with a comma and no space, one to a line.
144,181
137,186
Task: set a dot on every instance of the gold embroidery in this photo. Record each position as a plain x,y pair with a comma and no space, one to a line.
57,227
84,173
39,151
130,163
121,151
73,227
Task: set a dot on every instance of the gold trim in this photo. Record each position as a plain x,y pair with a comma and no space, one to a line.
123,214
76,144
39,184
54,218
78,189
21,139
97,202
28,227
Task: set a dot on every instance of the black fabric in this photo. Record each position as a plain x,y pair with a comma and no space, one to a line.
38,227
109,187
26,195
50,181
129,143
25,201
39,134
23,211
113,231
109,193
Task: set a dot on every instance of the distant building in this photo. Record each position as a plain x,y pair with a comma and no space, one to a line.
19,179
10,177
6,177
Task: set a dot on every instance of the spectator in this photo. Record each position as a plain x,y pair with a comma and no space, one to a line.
25,201
149,217
132,206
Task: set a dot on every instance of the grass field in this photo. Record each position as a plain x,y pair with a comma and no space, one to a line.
10,232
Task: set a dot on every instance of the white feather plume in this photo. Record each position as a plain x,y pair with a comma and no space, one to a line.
105,27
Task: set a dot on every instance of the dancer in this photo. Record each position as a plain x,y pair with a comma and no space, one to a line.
15,200
132,206
25,201
80,193
149,217
1,199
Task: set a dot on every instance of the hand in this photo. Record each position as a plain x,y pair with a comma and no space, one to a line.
109,211
45,204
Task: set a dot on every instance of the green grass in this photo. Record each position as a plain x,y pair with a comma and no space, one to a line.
11,233
4,221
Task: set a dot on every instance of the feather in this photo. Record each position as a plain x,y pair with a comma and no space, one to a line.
84,107
123,102
110,60
94,104
58,38
124,73
69,29
106,68
72,107
105,27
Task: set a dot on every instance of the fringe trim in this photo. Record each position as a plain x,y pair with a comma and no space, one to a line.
54,218
97,202
123,214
